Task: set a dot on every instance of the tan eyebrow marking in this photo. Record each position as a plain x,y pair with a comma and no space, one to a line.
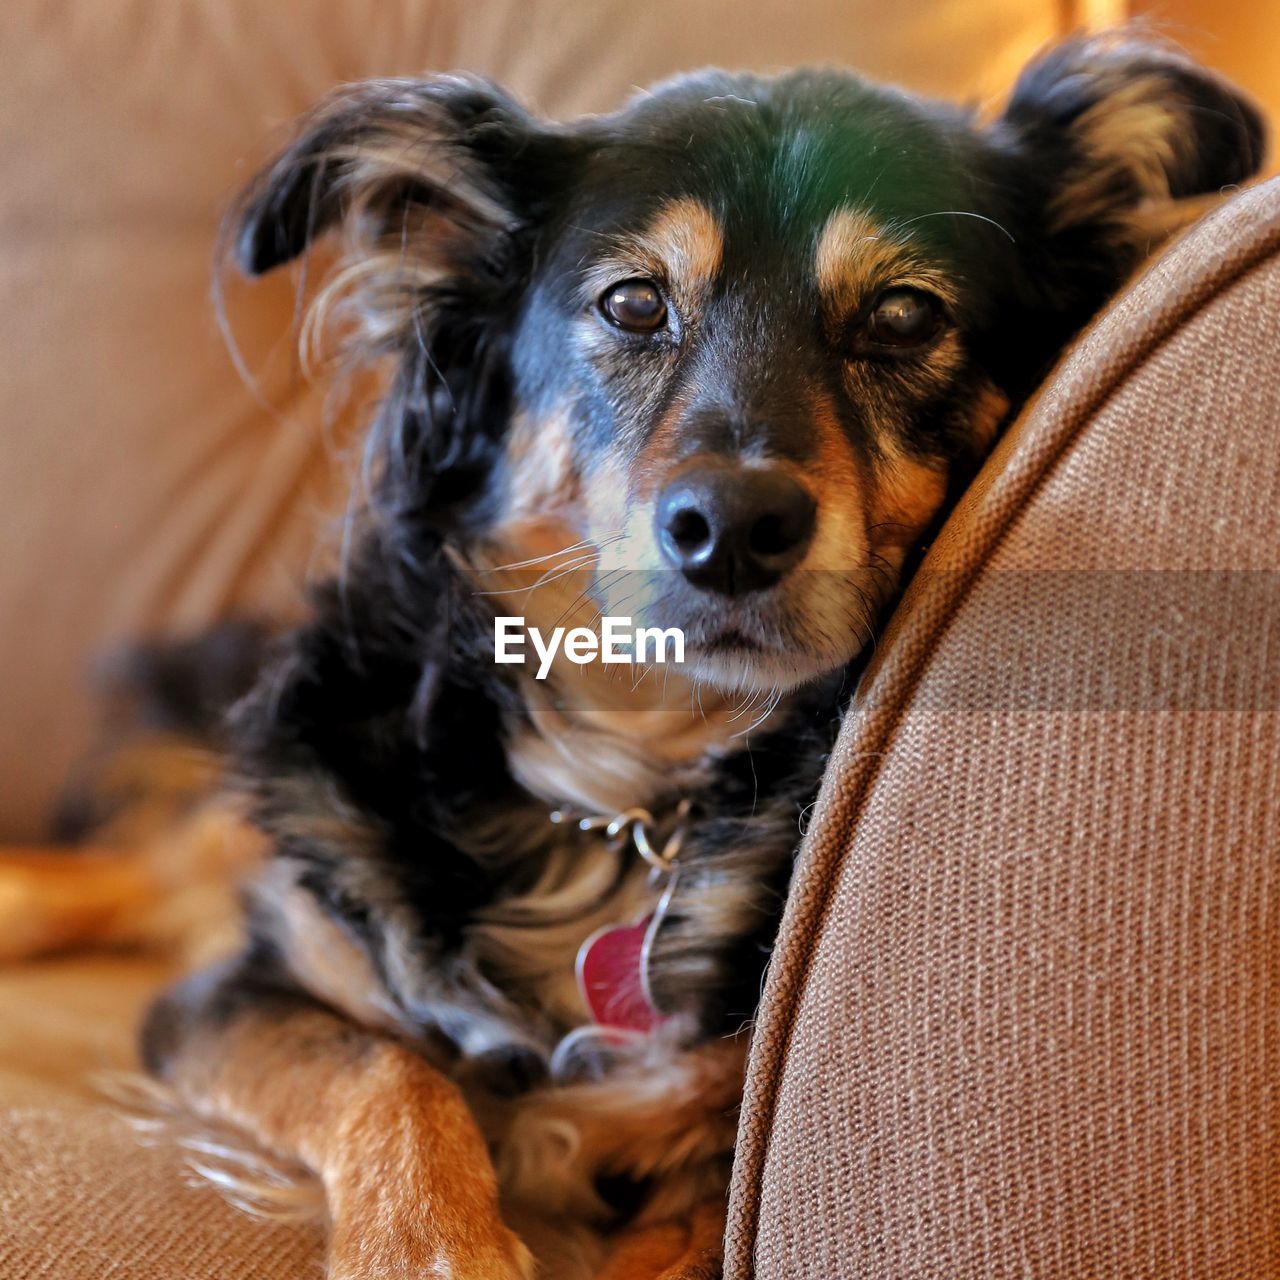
852,257
856,256
686,236
682,246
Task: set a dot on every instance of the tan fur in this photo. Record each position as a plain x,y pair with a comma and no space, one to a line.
599,744
405,1173
161,873
682,248
542,477
407,1178
907,494
1131,130
685,1249
647,1252
662,1115
323,959
908,490
856,258
686,238
1156,221
988,414
839,541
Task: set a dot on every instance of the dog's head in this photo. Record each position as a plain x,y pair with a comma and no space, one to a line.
731,344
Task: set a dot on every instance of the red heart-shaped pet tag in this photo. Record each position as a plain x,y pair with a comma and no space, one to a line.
611,976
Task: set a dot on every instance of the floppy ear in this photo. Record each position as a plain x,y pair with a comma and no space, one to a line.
438,187
1111,143
431,181
1118,126
371,151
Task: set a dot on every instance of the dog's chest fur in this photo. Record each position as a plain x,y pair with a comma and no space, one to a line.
588,749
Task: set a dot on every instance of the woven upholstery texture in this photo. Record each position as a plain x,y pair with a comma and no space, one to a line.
80,1194
1024,1015
105,1206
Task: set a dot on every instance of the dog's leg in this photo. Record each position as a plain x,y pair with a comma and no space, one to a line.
169,887
51,900
687,1250
410,1188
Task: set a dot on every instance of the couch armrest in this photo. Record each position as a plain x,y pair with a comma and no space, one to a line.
1024,1014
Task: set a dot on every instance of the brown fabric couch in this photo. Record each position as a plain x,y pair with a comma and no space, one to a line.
1023,1015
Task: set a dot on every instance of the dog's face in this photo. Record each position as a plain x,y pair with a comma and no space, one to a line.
727,348
751,337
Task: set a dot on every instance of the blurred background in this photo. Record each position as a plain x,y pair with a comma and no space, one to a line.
143,485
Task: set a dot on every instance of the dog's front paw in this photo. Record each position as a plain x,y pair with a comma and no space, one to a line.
465,1251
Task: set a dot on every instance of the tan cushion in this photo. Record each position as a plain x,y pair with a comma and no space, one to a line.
141,485
80,1194
1024,1015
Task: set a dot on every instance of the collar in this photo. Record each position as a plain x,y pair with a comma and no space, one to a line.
612,966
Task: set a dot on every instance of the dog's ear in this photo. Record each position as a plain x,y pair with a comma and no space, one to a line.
1118,140
432,183
438,189
377,152
1116,126
1111,143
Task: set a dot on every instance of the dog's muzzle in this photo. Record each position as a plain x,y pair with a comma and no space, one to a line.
732,529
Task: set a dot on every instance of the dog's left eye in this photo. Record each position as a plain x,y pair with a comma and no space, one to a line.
636,305
903,318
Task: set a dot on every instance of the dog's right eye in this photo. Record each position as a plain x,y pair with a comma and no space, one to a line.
903,318
636,305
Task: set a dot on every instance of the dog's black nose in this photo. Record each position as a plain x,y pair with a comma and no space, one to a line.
734,529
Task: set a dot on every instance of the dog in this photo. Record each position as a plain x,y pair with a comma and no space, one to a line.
718,362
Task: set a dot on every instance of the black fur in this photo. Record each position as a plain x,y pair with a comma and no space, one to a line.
375,744
178,689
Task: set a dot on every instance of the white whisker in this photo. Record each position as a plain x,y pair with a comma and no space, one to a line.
748,704
961,213
551,555
598,543
554,574
771,705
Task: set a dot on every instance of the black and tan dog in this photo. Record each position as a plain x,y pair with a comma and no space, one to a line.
713,362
